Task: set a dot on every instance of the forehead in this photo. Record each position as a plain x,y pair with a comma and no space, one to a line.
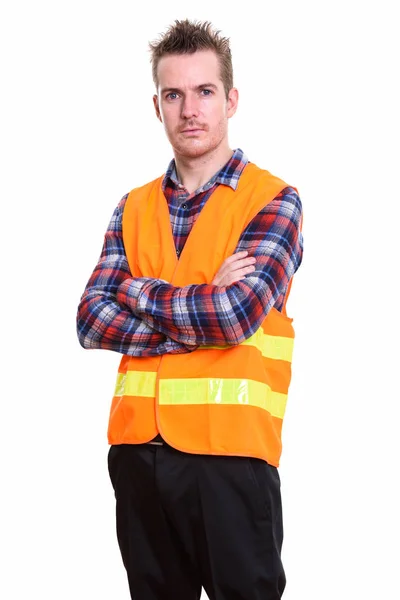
189,70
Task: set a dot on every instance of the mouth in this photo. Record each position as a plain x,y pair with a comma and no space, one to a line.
192,130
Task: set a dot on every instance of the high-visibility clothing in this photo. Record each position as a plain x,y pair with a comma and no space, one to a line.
214,400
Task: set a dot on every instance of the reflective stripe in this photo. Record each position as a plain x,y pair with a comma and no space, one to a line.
277,347
222,391
270,346
136,383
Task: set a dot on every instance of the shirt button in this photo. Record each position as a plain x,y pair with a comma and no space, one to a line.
184,206
178,252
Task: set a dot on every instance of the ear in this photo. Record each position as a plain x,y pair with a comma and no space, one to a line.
157,107
232,102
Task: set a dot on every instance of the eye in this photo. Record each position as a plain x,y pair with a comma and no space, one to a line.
172,96
206,92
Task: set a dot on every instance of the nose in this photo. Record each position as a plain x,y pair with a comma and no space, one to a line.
189,107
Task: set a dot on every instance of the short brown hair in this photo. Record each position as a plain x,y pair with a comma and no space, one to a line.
187,37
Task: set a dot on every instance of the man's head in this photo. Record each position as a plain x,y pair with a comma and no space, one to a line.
192,71
187,37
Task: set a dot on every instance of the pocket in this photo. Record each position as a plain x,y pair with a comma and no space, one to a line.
257,469
253,465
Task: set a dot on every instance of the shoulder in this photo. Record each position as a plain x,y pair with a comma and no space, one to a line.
286,205
115,224
147,187
136,192
265,179
119,209
289,197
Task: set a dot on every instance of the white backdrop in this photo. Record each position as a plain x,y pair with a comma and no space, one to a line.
319,108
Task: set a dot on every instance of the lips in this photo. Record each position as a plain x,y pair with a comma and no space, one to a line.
193,128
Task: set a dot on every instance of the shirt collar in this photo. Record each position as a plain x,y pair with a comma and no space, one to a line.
228,175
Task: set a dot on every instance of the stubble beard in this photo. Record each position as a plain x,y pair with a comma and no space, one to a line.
195,148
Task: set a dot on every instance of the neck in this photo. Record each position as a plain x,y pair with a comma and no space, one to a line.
194,172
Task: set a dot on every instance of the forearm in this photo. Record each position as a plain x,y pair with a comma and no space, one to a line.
196,314
103,324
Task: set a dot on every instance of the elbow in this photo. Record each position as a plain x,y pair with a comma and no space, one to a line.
83,341
87,339
229,336
83,328
233,339
248,313
83,338
95,322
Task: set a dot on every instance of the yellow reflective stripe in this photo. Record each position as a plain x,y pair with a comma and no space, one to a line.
136,383
277,347
270,346
255,339
222,391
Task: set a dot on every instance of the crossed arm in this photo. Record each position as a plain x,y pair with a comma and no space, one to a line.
147,317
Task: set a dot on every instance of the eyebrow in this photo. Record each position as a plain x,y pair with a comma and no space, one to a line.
198,87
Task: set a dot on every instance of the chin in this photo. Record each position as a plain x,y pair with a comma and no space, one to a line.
195,149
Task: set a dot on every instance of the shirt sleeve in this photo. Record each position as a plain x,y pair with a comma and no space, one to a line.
102,323
205,314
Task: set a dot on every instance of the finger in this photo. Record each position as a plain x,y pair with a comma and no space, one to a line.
236,276
240,264
234,257
244,262
233,264
243,272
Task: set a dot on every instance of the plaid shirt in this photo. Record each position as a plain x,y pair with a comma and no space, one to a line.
146,317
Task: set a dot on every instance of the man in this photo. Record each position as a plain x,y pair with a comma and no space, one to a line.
191,288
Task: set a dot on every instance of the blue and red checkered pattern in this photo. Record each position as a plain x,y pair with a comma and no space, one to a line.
147,317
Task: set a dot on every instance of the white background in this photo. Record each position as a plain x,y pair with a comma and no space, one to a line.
319,108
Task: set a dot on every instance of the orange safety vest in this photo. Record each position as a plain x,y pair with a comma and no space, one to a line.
214,400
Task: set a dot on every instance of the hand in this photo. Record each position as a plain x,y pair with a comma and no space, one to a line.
234,268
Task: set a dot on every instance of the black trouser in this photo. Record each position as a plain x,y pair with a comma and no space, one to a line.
187,521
